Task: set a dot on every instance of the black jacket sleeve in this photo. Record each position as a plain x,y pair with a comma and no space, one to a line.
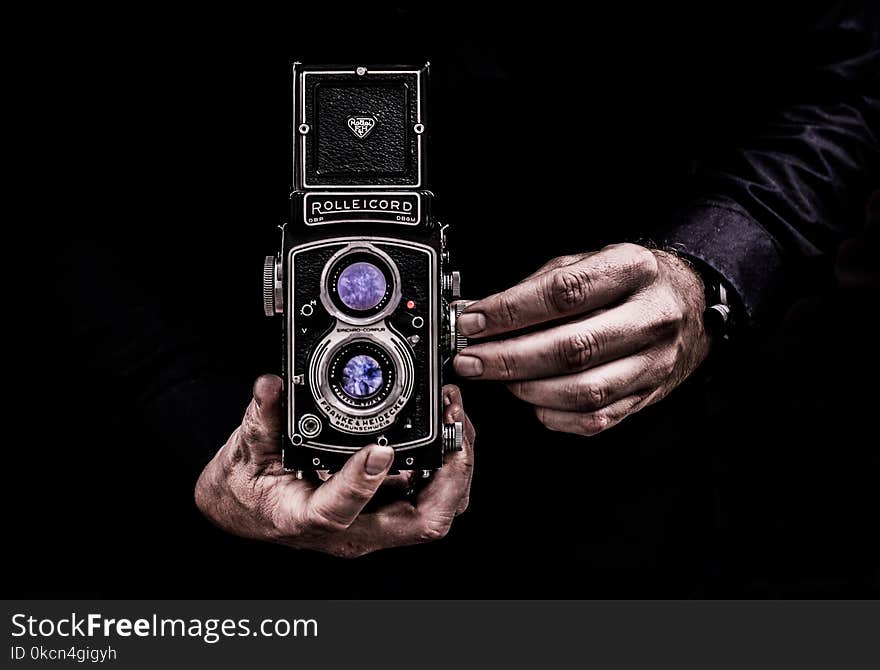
784,195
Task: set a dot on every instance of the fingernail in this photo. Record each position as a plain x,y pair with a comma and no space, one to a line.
267,387
468,366
378,460
471,324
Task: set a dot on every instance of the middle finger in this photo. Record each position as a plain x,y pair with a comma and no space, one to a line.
564,349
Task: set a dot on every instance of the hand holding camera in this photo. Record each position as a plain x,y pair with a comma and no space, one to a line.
620,328
246,491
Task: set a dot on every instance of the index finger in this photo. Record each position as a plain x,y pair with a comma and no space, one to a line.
571,289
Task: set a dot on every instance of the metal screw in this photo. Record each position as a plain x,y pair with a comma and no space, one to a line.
361,71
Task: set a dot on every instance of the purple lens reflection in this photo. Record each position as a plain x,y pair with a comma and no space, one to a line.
361,286
362,376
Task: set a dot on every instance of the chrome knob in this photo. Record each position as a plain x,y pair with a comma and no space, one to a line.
453,437
273,297
456,341
450,283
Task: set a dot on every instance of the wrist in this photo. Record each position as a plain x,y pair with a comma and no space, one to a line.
684,277
688,285
718,308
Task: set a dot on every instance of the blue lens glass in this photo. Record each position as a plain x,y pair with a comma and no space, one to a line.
361,286
362,376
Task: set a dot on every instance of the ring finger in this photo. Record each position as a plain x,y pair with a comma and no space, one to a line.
589,390
589,423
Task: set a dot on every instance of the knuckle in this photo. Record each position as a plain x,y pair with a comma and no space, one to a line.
644,263
568,288
588,396
326,521
668,316
359,491
508,311
592,424
252,429
507,365
572,394
452,393
578,350
235,448
639,261
463,505
433,529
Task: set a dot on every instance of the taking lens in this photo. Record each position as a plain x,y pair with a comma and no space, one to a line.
362,376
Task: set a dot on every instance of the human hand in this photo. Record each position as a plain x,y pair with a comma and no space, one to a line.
245,490
620,328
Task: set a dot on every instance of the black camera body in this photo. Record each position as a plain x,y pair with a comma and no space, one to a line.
362,280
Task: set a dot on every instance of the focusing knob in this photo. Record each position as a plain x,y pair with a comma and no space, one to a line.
453,437
273,299
457,341
451,284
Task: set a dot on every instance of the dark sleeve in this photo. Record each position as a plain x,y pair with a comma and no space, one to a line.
761,211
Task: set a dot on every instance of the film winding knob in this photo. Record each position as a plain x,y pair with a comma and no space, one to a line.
457,341
273,300
453,437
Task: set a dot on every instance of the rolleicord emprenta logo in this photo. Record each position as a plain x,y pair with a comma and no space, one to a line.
361,125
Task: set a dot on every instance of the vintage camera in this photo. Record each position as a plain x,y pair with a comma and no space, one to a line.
363,279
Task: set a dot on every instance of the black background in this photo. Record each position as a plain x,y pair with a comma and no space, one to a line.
152,164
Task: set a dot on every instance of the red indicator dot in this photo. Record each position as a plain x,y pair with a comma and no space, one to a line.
410,304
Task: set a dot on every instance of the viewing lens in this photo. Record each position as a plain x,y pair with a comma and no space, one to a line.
362,375
362,286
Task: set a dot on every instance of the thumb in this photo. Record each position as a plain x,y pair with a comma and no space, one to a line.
260,430
337,502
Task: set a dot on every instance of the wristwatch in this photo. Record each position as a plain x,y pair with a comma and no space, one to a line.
718,317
